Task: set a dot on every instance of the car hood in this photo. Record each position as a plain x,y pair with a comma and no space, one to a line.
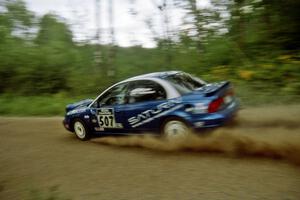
79,104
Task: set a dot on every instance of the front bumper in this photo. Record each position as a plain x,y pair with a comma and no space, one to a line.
66,124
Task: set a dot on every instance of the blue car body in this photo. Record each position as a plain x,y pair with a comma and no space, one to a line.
206,106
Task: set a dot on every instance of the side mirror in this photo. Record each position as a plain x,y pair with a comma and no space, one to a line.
139,92
100,104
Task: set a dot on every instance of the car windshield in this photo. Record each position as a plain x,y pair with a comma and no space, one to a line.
184,83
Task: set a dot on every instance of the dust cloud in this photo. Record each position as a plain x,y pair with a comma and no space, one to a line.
267,135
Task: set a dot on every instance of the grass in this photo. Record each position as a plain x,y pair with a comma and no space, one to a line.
261,96
35,105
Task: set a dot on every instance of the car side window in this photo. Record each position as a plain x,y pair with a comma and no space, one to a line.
145,90
114,96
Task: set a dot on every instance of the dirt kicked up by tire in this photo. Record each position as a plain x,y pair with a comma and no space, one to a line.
258,158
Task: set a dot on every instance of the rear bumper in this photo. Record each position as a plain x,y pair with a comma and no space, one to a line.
211,120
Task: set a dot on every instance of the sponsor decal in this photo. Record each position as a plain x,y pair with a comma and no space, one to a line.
119,125
106,118
149,115
99,129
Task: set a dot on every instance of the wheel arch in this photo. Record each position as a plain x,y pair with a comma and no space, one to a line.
72,121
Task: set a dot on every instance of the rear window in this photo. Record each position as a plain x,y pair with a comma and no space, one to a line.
184,83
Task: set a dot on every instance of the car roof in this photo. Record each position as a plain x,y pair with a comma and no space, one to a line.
160,75
172,93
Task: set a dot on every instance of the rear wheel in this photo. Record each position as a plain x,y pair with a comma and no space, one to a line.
175,129
80,130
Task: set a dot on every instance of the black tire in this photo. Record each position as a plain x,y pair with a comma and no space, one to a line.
81,131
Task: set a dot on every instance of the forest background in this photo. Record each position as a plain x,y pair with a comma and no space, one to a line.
255,44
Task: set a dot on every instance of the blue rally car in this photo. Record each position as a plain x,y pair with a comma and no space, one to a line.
169,103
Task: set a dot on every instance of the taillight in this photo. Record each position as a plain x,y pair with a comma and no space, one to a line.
215,105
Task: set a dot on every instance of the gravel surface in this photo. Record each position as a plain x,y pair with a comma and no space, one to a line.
257,158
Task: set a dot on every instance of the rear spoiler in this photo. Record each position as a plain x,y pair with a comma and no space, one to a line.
213,88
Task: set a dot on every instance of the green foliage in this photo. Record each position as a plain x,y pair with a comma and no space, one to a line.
17,12
35,105
260,53
54,105
53,32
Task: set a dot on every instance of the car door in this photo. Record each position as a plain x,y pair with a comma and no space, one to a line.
107,110
144,100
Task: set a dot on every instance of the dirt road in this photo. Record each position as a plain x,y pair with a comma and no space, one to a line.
256,159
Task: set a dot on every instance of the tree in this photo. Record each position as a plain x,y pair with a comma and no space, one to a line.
52,30
15,21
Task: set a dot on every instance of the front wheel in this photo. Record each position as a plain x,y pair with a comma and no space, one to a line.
175,129
80,130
